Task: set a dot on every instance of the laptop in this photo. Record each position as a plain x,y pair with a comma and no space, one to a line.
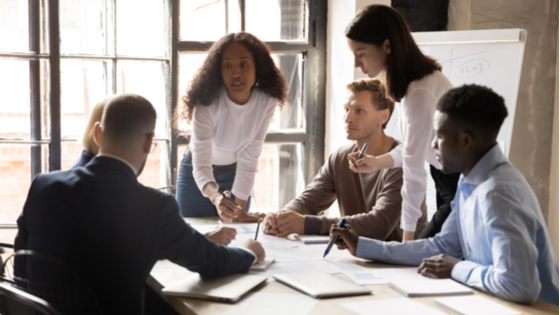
225,289
321,284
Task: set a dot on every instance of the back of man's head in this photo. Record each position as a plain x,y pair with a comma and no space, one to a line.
475,105
127,118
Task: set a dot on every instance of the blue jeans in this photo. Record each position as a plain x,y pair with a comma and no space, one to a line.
191,201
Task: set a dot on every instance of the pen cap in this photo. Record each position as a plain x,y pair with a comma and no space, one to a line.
342,223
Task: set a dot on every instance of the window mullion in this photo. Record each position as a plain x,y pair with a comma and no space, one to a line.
35,84
54,60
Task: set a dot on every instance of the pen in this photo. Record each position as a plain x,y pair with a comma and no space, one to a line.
257,232
333,240
364,148
233,201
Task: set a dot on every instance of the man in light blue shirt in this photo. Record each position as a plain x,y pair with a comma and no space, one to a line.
496,224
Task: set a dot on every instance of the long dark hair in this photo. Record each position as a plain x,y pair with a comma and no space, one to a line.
207,81
406,63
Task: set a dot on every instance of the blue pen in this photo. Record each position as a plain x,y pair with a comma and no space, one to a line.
333,240
364,148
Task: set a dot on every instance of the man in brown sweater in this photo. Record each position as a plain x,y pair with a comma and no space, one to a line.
370,202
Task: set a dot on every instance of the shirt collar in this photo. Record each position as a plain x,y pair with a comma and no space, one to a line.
492,159
122,160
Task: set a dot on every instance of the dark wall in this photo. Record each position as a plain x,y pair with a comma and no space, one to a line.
423,15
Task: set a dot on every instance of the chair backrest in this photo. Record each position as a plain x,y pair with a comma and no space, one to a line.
51,280
14,301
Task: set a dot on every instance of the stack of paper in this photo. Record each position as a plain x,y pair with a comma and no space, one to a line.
427,287
313,239
475,305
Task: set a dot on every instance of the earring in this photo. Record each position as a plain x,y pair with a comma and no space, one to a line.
257,83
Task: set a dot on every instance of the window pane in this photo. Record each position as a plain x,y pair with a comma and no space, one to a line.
15,167
148,79
291,115
141,28
274,20
83,27
14,25
83,84
197,13
154,173
280,178
70,153
15,106
188,65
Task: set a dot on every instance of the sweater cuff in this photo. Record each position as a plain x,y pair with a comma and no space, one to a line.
312,224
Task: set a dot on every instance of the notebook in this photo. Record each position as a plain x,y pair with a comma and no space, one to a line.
475,305
321,284
427,287
224,289
263,265
313,239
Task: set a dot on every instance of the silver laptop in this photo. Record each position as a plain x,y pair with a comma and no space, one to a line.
224,289
321,284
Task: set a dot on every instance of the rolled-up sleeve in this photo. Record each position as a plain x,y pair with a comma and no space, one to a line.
203,131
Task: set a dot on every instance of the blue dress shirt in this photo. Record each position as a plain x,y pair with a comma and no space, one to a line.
497,226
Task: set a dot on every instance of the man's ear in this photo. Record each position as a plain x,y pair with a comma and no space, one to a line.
97,133
147,144
385,114
466,140
387,46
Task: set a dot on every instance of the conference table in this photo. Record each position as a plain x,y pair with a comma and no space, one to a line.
290,254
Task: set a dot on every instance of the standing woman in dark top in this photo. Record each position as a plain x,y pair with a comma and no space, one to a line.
382,44
90,147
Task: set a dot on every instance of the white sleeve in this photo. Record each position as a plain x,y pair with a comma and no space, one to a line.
418,112
248,158
396,154
203,131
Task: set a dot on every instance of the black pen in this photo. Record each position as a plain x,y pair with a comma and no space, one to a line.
233,201
257,232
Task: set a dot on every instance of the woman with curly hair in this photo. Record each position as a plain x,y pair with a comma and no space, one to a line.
231,101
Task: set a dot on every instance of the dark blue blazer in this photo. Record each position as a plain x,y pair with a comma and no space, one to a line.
111,230
84,159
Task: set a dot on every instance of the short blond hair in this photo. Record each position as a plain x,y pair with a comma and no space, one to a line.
379,97
89,144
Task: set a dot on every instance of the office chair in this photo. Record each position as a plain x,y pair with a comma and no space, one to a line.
14,301
51,280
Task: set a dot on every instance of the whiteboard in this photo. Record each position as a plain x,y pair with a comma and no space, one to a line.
486,57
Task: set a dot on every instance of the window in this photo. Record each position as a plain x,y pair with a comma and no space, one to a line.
60,57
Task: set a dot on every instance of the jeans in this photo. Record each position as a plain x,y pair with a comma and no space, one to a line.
190,199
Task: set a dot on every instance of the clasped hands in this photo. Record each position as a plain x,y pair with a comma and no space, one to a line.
283,223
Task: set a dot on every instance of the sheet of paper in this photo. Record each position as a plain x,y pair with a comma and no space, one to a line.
313,239
273,304
241,228
427,287
397,306
365,278
324,265
475,305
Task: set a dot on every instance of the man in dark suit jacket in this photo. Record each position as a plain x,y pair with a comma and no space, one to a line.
110,229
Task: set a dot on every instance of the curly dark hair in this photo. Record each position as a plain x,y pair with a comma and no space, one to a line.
207,80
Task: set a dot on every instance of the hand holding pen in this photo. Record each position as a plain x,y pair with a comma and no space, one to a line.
227,207
345,238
